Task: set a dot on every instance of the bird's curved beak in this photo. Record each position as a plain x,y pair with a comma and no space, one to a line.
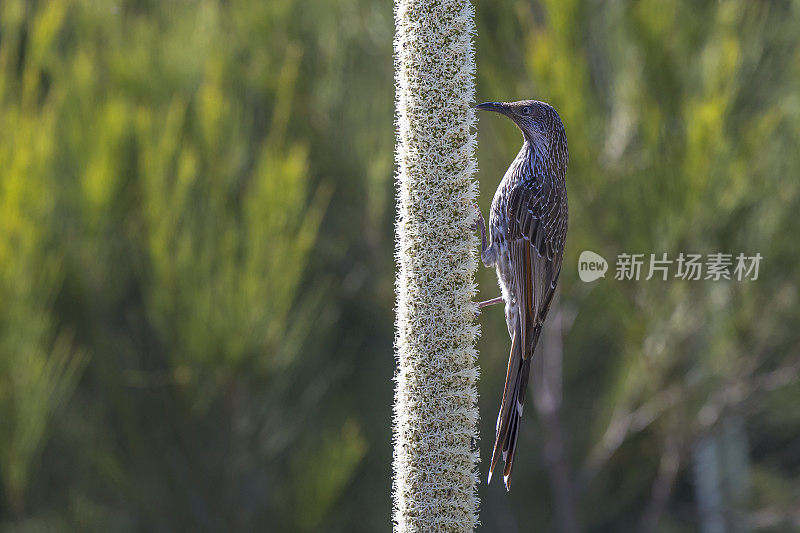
497,107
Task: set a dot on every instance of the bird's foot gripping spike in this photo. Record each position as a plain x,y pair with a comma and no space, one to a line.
487,303
493,301
475,225
479,224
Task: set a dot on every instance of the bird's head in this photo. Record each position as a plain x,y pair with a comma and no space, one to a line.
539,122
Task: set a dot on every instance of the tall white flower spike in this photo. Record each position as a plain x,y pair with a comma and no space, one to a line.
435,411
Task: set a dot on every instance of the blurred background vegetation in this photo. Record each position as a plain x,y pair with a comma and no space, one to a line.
196,277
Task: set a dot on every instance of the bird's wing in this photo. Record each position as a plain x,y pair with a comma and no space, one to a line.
537,215
537,227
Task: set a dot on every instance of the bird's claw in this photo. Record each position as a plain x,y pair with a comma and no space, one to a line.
479,224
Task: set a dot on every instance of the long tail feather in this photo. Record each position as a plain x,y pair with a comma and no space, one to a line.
508,419
510,446
503,418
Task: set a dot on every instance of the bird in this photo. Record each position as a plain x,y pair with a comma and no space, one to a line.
527,232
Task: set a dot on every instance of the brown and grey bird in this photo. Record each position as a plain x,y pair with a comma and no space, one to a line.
528,225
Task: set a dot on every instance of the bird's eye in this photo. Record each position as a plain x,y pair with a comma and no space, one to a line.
526,110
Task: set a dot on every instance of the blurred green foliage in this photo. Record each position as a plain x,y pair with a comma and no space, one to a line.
196,262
